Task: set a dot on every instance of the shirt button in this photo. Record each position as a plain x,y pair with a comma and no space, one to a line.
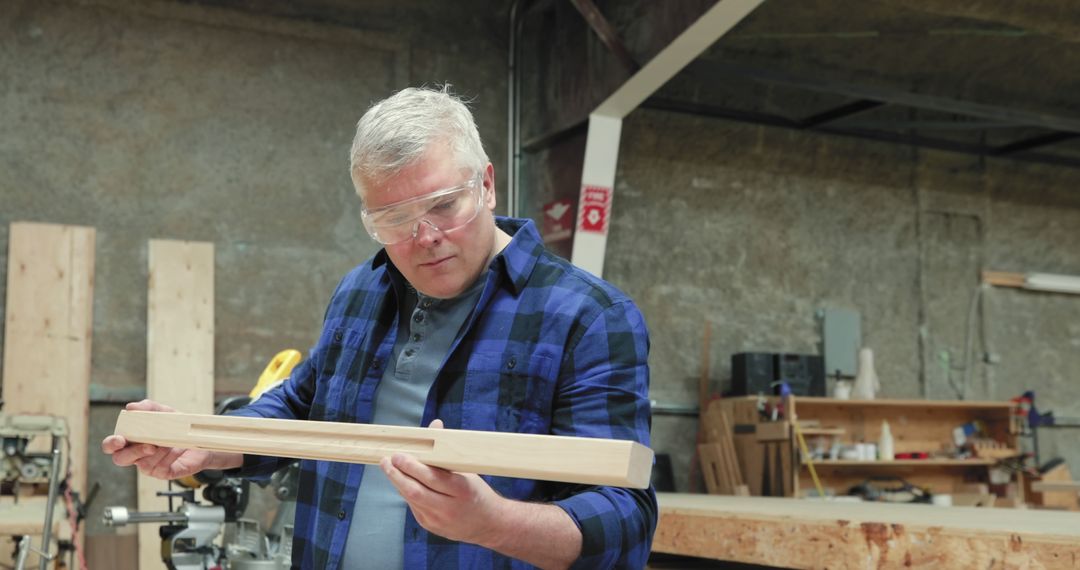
337,336
416,337
512,362
419,317
426,303
410,352
341,515
375,364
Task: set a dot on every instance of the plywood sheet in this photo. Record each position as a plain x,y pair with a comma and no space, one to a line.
49,316
818,534
179,352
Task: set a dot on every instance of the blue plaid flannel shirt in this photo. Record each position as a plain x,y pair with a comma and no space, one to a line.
550,349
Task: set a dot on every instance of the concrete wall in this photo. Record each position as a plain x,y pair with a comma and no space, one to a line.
166,120
753,229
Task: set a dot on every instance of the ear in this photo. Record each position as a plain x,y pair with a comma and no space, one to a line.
489,187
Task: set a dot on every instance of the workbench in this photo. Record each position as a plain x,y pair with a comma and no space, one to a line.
802,533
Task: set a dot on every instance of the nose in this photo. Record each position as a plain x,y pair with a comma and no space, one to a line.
427,234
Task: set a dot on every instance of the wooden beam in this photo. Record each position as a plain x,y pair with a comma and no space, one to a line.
1004,278
179,352
591,461
47,344
797,533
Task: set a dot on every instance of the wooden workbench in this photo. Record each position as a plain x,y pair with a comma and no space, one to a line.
799,533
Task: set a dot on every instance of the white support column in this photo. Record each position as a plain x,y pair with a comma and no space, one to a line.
597,190
605,126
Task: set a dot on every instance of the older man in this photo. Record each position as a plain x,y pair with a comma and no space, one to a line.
462,320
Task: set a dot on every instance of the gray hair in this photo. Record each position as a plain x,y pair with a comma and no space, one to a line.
396,132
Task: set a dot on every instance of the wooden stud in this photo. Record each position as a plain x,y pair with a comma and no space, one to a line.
179,352
590,461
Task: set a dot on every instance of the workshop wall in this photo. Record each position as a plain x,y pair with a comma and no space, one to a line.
754,229
169,120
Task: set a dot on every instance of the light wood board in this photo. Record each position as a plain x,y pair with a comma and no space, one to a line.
49,316
1067,486
798,533
179,353
583,460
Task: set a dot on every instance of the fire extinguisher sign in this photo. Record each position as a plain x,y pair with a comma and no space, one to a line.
594,210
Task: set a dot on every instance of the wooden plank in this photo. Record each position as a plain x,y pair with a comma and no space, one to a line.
179,352
591,461
773,431
795,533
841,478
1066,486
1004,278
895,403
1049,492
716,427
710,468
751,461
49,316
727,447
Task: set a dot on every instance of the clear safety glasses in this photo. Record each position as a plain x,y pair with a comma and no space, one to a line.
444,210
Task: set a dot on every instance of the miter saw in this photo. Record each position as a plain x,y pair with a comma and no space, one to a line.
190,531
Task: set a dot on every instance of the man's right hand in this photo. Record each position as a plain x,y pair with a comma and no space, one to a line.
164,462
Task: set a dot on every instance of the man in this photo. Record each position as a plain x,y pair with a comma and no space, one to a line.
463,320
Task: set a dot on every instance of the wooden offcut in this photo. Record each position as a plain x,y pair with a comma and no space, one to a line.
49,316
797,533
179,352
592,461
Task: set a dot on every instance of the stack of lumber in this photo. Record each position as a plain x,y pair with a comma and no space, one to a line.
719,462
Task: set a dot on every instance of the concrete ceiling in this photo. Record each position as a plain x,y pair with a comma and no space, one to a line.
1015,62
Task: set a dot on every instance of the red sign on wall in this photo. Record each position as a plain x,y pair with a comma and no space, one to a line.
558,220
595,209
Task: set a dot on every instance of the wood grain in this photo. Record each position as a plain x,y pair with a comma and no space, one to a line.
795,533
590,461
179,352
49,316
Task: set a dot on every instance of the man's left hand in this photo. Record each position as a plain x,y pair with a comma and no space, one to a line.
457,506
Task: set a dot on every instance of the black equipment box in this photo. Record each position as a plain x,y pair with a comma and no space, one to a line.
755,373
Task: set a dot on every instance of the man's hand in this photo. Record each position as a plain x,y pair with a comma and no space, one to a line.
463,507
457,506
164,462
